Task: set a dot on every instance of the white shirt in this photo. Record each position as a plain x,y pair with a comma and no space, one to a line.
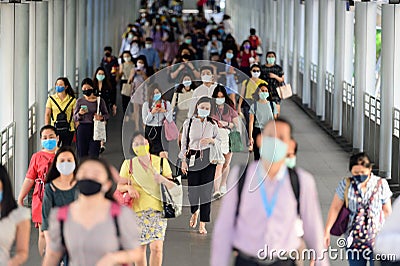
199,92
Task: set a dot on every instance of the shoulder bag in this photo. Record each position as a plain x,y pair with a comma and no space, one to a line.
171,198
342,220
124,198
99,130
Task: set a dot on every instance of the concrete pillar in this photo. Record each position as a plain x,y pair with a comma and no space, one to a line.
41,51
7,65
309,14
96,37
70,40
340,34
365,28
322,54
21,92
32,55
50,32
390,80
274,18
81,48
58,40
89,37
279,31
286,34
296,42
102,20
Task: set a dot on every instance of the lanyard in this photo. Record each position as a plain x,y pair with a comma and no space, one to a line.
269,205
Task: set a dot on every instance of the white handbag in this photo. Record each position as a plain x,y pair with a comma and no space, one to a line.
285,91
99,127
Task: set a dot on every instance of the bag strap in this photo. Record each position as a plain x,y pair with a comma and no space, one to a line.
115,212
130,167
187,137
161,165
62,215
294,181
55,102
272,107
98,105
243,170
346,192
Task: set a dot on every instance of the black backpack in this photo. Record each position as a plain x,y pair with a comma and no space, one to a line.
62,124
294,180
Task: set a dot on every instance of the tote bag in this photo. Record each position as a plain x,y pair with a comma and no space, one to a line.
171,198
285,91
99,130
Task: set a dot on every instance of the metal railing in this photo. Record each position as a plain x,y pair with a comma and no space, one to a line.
32,129
372,121
329,90
395,149
348,111
301,65
314,72
7,148
313,86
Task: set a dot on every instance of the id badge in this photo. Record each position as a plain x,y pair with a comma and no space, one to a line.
191,161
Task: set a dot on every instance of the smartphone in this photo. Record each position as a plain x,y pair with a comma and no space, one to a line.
84,107
158,105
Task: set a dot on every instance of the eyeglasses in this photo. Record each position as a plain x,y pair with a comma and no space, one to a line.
255,71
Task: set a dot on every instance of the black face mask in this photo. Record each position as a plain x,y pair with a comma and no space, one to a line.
88,187
107,54
88,92
186,56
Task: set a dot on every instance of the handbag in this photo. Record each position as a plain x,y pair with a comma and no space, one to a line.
340,225
99,127
285,91
124,198
171,130
235,141
171,198
216,155
126,89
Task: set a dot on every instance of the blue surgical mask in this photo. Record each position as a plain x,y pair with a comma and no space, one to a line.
203,113
360,178
273,149
66,168
270,60
60,89
264,95
291,162
100,77
1,196
229,55
157,97
187,83
49,144
220,101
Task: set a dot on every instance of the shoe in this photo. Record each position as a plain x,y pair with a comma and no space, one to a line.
216,195
223,190
102,149
193,219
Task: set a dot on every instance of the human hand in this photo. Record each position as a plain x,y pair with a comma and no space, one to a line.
327,239
106,260
164,154
133,193
114,110
184,167
83,111
206,141
155,110
98,117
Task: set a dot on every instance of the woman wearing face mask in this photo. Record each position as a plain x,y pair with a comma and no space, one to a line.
182,99
60,187
93,212
124,71
199,133
246,57
229,75
182,64
84,115
158,35
103,87
227,118
36,176
145,181
62,102
273,74
127,40
139,95
14,223
214,45
154,111
369,203
261,111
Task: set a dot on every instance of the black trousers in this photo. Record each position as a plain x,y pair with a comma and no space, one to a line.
256,149
240,261
201,183
156,139
65,138
125,103
85,144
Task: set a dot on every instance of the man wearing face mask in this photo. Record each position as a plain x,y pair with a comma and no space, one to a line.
267,216
151,54
111,66
205,89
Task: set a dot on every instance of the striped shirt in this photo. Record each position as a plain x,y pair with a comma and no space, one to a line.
382,197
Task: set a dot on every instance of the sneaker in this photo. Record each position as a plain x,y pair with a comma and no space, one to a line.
102,149
216,195
223,190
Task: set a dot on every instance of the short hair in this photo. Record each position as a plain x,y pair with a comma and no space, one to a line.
187,35
206,68
87,81
149,39
47,127
254,65
270,52
360,159
252,31
108,48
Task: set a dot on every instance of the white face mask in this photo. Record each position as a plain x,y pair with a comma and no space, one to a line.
187,83
127,59
148,45
220,101
140,66
65,168
255,74
206,78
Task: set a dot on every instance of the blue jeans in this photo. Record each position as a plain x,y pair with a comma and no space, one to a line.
359,260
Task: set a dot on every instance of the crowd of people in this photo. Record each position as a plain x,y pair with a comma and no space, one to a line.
73,197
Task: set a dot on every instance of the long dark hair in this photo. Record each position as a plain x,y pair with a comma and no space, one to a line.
150,93
205,99
68,87
53,172
228,101
181,87
256,96
106,81
107,167
8,202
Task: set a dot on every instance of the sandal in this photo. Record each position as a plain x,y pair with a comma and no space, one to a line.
202,228
193,219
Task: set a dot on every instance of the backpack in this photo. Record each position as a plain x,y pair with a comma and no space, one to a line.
62,124
294,181
62,216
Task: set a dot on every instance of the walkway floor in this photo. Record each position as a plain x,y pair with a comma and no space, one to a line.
317,153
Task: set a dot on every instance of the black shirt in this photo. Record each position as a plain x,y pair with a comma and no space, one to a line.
272,83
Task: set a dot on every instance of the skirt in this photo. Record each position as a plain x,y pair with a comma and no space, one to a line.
152,226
